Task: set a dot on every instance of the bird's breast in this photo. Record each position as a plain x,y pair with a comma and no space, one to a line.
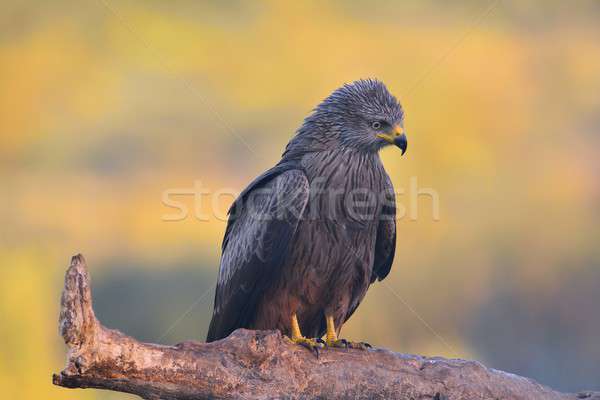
347,188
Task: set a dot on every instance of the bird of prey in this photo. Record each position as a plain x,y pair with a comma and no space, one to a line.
307,238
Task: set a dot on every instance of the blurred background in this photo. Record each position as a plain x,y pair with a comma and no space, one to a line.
105,105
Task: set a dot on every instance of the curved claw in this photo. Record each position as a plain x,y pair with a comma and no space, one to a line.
359,345
346,344
310,347
312,344
339,343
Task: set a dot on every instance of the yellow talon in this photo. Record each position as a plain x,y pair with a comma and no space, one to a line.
331,335
331,338
311,344
333,341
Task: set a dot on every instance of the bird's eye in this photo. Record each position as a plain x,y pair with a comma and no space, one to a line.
376,125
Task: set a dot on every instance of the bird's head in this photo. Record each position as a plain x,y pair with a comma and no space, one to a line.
363,115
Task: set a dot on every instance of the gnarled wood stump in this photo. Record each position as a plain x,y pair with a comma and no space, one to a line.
263,365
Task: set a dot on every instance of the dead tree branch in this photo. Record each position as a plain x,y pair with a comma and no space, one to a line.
263,365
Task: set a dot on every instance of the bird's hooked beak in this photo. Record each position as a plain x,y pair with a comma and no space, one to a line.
396,137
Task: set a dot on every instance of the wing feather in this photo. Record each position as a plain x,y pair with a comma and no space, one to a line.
385,245
262,225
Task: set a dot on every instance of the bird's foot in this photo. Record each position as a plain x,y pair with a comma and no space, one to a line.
313,345
345,344
333,341
359,345
340,343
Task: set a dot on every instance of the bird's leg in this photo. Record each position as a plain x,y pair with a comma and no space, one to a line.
331,338
333,341
311,344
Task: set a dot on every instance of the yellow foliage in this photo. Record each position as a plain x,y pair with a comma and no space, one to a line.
104,110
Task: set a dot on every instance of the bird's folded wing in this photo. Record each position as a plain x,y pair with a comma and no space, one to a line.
261,227
385,245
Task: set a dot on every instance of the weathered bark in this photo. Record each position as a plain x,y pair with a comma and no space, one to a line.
263,365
